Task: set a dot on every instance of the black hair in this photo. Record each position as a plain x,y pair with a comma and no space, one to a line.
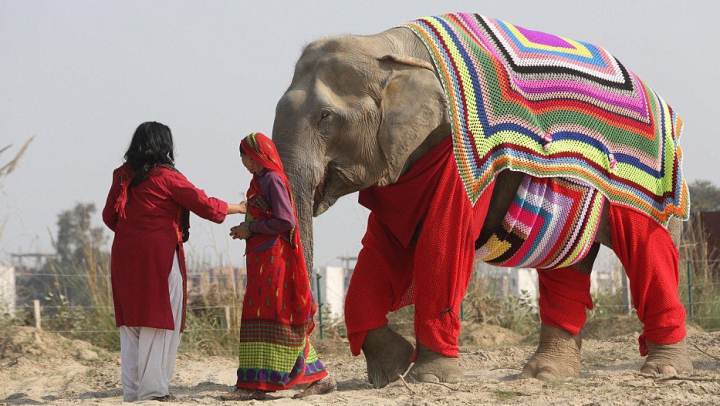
151,146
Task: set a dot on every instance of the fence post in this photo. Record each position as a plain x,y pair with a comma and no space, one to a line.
690,292
626,295
227,319
36,305
320,305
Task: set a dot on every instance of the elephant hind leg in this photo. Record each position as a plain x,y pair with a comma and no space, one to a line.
564,296
651,261
557,356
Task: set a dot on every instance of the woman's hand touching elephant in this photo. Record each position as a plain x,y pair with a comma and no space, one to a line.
241,231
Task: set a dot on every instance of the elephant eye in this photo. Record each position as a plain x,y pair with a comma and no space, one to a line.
324,120
327,122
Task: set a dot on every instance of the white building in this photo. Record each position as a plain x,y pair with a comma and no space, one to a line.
518,282
332,289
7,291
515,282
504,282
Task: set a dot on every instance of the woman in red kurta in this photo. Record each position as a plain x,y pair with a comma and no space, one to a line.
147,205
277,318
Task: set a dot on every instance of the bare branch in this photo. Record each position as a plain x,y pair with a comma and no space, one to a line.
406,384
702,351
662,378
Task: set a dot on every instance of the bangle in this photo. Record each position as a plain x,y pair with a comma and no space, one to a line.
247,227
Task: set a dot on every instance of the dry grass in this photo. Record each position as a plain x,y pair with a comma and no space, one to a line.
213,319
8,168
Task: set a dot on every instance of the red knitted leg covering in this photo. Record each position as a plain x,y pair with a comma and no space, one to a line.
444,260
650,258
564,296
382,276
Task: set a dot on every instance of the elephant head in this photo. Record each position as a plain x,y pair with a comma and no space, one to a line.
360,110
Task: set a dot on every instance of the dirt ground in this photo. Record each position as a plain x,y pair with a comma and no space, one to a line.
38,367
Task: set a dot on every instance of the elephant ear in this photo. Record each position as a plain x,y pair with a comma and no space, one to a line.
412,105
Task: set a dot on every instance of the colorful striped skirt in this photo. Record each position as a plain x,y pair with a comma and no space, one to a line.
277,318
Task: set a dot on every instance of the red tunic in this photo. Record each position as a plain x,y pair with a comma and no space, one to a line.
146,238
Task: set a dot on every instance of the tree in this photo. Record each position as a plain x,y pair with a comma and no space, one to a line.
80,262
77,239
704,196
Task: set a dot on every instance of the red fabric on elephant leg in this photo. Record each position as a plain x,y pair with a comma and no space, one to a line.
402,206
650,258
438,264
444,260
564,296
381,278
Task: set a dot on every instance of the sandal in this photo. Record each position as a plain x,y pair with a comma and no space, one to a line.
166,398
244,394
319,387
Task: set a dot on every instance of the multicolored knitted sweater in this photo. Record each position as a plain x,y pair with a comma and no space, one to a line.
550,224
553,107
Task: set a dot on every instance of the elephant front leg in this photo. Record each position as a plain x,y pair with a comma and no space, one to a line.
388,355
557,356
444,261
431,366
382,275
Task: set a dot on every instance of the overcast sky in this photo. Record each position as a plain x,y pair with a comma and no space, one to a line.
82,75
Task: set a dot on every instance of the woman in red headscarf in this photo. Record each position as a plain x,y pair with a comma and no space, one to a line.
278,308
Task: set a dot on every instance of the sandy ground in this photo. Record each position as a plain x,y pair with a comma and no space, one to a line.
38,367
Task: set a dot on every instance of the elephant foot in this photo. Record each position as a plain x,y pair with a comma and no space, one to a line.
667,359
433,367
557,356
387,354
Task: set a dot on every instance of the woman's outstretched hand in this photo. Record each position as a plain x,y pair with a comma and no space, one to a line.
241,231
237,208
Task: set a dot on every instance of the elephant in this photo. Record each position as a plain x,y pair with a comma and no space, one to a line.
360,114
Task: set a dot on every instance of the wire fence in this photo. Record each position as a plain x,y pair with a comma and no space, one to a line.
219,320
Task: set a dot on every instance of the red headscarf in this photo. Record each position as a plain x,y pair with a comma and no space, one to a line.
262,150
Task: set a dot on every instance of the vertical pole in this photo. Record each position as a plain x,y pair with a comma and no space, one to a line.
227,319
626,295
36,305
690,291
320,305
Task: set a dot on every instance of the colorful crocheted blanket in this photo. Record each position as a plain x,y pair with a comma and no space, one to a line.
550,224
553,107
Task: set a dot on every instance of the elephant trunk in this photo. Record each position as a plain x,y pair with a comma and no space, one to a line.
302,162
303,189
304,205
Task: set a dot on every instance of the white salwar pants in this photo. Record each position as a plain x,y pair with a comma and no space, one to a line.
148,354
